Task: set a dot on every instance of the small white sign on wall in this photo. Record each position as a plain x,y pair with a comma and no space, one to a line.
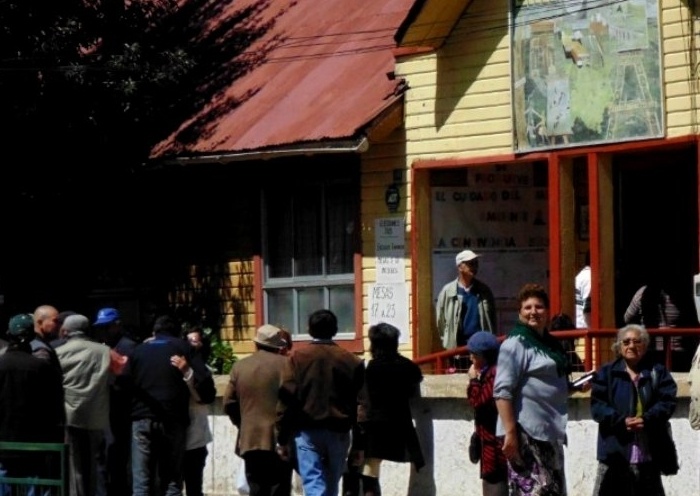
389,303
390,249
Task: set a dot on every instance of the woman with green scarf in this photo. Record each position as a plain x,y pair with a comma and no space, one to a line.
531,391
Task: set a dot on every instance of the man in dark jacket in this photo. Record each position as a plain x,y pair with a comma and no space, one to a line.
158,370
318,405
110,330
31,400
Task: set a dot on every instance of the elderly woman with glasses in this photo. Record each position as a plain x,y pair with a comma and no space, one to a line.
632,400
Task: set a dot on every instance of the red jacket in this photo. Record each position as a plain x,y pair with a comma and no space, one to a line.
494,467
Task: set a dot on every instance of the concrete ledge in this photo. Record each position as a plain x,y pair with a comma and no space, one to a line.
455,385
444,421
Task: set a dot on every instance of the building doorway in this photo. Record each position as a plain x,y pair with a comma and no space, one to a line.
656,224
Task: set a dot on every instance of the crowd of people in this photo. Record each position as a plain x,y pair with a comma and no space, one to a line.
519,391
134,413
126,410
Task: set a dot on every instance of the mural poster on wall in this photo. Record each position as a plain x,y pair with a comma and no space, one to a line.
501,214
585,72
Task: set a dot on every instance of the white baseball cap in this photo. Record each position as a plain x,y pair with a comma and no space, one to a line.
465,256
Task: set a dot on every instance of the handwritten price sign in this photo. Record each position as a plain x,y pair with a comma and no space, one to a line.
389,303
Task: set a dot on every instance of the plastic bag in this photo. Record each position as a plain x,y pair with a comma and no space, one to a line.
241,481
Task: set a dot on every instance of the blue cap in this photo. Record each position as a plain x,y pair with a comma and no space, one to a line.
481,342
106,316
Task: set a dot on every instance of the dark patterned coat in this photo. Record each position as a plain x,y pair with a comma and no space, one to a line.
480,396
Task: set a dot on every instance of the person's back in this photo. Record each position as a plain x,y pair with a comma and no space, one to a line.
86,369
319,400
391,381
198,432
159,391
160,411
582,289
250,401
86,374
108,330
31,394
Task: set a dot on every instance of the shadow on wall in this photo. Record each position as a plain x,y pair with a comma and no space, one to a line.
206,294
422,483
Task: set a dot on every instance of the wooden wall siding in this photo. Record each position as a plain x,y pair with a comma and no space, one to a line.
459,98
378,165
227,289
679,68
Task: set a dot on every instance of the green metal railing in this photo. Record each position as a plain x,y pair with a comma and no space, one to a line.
56,484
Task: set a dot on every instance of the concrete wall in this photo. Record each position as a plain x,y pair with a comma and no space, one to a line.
445,422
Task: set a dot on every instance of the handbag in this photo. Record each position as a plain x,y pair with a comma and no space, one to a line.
694,383
663,447
475,448
664,452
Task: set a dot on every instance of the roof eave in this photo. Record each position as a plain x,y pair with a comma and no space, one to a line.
429,23
355,145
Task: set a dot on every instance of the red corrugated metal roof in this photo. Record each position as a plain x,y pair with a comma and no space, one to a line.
324,79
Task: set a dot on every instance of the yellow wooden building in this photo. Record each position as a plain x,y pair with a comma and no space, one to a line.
347,172
589,111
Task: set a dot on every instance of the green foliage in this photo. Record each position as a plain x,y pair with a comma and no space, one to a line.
222,357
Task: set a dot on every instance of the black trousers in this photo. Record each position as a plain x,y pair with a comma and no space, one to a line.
193,470
267,474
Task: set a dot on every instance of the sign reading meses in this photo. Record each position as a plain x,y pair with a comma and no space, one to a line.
389,296
389,303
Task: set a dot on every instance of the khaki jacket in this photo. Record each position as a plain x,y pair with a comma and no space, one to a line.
449,311
85,365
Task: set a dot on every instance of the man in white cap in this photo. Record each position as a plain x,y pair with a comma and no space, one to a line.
465,305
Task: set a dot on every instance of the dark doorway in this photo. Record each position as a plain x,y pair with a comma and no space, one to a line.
656,224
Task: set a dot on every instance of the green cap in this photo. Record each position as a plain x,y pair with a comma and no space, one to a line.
21,326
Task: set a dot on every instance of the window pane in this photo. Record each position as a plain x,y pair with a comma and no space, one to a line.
280,308
341,208
308,234
280,233
310,300
342,304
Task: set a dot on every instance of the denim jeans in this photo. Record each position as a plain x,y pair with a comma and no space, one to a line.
321,455
157,453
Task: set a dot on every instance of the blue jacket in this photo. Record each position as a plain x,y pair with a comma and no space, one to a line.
613,398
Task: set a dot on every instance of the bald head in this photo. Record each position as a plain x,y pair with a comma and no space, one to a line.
46,321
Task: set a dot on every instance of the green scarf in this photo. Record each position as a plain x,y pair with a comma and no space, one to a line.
544,344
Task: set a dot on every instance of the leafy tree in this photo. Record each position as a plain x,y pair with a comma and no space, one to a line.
87,88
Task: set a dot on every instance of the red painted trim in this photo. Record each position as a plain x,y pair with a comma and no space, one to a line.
258,290
632,146
554,180
414,266
594,243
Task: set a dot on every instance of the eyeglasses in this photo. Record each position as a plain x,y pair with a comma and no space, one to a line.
630,341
